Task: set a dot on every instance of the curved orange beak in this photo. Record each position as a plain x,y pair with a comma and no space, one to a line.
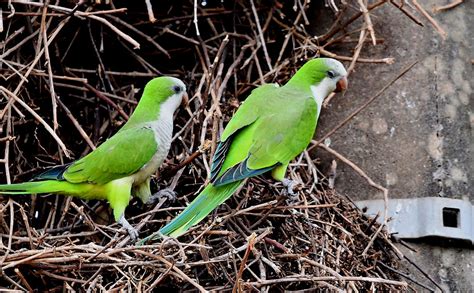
341,85
185,104
185,100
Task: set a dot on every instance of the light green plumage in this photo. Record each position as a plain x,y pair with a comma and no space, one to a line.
120,156
122,163
250,109
266,146
82,190
270,129
208,200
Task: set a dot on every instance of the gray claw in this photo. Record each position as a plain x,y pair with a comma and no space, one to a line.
290,185
132,232
167,193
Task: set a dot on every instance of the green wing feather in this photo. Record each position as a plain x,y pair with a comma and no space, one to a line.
245,116
281,130
281,137
250,109
120,156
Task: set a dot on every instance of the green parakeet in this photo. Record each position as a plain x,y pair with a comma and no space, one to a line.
272,127
123,164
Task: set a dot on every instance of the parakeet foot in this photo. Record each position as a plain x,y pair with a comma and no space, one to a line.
290,193
169,194
290,185
132,232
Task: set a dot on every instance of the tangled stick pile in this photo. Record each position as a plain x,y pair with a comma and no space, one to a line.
71,75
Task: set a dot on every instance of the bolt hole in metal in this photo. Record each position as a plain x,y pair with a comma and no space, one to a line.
451,217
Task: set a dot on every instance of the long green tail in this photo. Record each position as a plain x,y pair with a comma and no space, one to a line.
200,207
48,186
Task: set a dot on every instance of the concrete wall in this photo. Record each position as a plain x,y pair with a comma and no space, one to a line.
415,139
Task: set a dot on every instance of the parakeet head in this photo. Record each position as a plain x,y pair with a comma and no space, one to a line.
323,75
165,91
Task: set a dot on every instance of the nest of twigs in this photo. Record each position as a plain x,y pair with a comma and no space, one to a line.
72,75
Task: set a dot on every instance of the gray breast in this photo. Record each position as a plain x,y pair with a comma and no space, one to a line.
163,130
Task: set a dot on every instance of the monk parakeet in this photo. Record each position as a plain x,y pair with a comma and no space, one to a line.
123,164
272,127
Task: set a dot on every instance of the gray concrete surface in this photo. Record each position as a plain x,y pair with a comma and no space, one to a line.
417,138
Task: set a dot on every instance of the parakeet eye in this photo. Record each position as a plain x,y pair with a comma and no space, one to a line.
331,74
177,89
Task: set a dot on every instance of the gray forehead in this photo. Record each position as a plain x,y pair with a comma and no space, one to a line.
336,65
178,81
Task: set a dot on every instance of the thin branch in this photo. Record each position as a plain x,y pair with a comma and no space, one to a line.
435,24
77,125
195,19
260,35
8,93
368,21
126,37
371,183
363,106
447,6
406,12
149,9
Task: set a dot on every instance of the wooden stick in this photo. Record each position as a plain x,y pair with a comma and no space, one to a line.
435,24
8,94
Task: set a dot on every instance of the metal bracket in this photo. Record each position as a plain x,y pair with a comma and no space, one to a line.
427,216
